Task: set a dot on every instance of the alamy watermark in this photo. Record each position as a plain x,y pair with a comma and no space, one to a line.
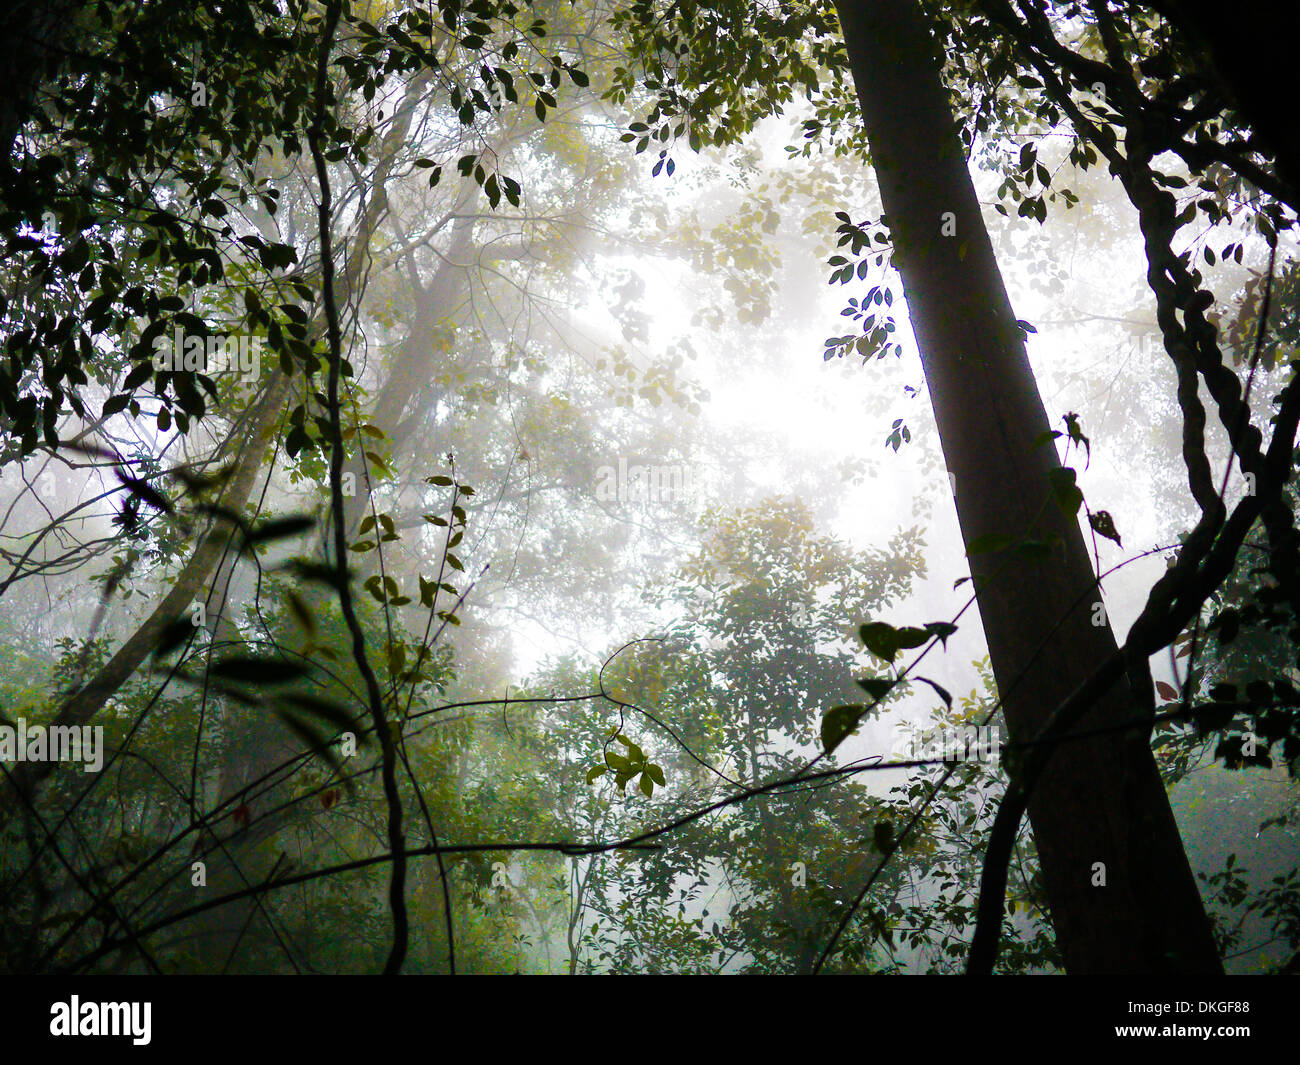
645,484
53,743
239,353
77,1018
956,743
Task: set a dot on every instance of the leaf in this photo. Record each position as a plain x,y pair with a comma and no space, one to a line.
988,543
595,772
942,629
324,709
1224,692
1104,525
428,590
1167,691
301,613
880,638
396,660
277,529
911,636
143,490
940,689
1076,434
1035,549
308,570
1226,622
252,670
838,722
1067,493
877,687
1212,719
318,743
173,635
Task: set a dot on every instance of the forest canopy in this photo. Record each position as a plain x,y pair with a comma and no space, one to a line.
672,487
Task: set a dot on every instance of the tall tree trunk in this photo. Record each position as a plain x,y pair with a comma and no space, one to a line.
1100,809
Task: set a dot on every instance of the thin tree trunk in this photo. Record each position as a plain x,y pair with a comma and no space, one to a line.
1100,808
194,577
190,584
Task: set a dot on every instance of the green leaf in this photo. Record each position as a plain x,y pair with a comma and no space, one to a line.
880,638
941,629
1076,434
1035,549
173,635
396,660
324,709
428,589
317,572
1227,622
838,722
911,636
141,488
301,613
316,741
277,529
877,687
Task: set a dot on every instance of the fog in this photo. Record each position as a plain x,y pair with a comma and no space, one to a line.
615,516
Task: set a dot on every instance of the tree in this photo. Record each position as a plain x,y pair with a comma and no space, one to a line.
247,169
1122,896
1015,71
190,211
742,680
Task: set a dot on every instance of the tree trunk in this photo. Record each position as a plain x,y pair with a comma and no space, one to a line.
193,580
189,584
1100,809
